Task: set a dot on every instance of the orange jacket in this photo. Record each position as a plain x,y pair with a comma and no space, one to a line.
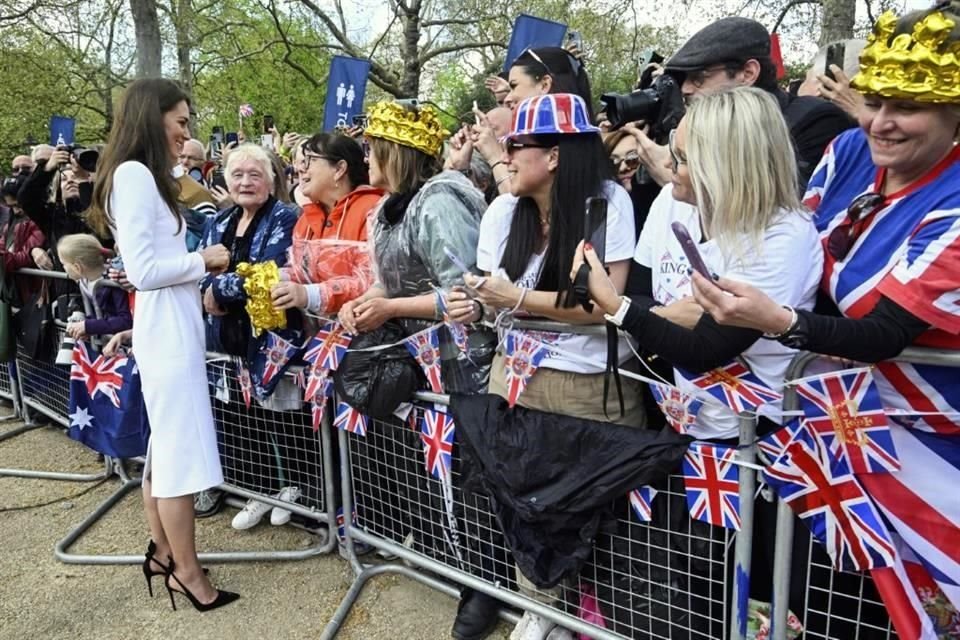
346,221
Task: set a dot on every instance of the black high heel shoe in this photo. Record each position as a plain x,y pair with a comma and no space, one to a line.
148,573
223,597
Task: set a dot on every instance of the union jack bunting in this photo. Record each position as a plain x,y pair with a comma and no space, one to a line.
641,500
774,444
843,409
458,333
246,386
679,408
425,348
827,497
712,481
318,402
277,353
102,374
735,386
350,419
522,357
437,433
316,378
325,350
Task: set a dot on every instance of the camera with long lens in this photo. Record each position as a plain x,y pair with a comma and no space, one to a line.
86,158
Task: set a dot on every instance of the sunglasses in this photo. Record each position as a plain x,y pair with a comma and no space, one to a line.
23,169
631,159
859,215
513,145
574,62
674,156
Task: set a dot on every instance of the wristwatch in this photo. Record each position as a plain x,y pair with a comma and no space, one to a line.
621,313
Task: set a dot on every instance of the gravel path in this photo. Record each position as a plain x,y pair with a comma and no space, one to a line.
42,598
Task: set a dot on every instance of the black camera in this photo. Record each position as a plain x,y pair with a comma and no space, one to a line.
660,105
86,158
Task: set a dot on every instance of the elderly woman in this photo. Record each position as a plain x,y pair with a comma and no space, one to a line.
886,199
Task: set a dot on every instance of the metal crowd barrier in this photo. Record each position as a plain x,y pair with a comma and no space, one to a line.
671,577
838,604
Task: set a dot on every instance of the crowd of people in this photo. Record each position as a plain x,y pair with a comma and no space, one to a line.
825,218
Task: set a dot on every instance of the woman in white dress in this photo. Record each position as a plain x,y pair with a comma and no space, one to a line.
136,197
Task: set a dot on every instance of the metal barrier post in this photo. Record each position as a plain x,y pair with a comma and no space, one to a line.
744,542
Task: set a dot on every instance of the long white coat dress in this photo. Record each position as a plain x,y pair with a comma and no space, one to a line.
168,336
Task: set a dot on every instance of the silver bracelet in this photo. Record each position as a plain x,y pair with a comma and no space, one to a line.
790,327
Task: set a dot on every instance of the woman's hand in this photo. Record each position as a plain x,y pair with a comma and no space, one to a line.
347,316
461,307
840,93
485,141
685,312
461,150
41,258
117,341
216,259
493,291
602,289
77,330
210,304
221,196
372,313
498,87
289,295
740,305
59,157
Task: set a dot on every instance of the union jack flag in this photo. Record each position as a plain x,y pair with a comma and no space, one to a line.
318,402
277,353
101,375
827,497
843,409
712,481
522,357
425,348
735,386
350,419
641,500
245,110
458,333
316,379
775,444
680,408
326,349
246,386
437,432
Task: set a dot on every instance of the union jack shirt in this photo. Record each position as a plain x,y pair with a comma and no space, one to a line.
908,251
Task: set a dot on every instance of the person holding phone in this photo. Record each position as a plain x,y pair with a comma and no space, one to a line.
732,208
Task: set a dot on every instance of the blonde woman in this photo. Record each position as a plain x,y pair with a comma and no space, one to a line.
734,189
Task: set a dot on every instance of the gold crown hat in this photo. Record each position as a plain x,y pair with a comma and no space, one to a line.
919,66
418,128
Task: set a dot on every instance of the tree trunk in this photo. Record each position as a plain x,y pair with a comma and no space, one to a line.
147,28
183,20
410,82
838,20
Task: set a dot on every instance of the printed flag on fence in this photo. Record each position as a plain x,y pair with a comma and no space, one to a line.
100,375
326,349
824,493
318,401
735,386
680,408
272,360
349,419
774,444
425,348
711,478
522,357
641,500
437,433
843,409
246,386
458,332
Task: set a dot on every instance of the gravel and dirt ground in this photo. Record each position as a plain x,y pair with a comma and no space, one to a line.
41,598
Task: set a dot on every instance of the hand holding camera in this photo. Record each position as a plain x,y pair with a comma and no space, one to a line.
59,157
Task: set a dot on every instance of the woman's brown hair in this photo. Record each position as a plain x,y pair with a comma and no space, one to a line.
138,134
405,168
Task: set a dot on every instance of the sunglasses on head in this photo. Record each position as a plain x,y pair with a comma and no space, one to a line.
574,62
845,234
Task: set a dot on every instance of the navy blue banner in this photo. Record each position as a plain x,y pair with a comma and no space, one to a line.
531,32
62,130
345,89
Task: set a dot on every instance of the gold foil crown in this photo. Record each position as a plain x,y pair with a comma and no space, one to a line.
919,66
420,129
258,281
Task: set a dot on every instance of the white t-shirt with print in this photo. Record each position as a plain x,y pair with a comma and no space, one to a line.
494,229
787,269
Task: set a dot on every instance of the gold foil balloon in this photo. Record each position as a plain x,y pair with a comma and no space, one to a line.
258,281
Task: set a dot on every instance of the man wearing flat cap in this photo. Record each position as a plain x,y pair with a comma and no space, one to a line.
733,52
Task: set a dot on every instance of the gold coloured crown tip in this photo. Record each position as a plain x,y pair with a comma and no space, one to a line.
920,66
420,129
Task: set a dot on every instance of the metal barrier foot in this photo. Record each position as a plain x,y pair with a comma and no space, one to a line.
108,471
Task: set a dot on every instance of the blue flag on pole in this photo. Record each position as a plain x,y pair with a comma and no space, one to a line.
531,32
62,130
346,86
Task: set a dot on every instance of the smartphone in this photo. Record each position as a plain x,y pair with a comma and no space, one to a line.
690,249
266,141
218,180
218,133
232,137
835,55
215,144
574,38
267,124
595,226
644,70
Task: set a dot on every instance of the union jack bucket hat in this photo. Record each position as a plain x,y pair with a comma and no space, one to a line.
550,115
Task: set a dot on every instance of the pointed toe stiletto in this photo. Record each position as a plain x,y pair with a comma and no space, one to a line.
148,572
223,597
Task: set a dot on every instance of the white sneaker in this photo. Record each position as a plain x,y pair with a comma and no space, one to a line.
559,633
531,627
281,516
250,515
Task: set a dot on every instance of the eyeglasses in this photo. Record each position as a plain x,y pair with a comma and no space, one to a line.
184,156
310,157
22,169
699,77
674,156
859,215
631,159
513,145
